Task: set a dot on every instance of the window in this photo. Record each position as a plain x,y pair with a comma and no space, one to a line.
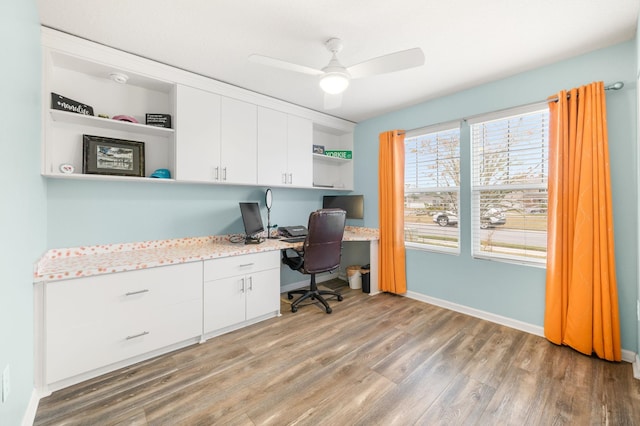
432,188
509,185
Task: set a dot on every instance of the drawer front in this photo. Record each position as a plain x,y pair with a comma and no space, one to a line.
95,321
239,265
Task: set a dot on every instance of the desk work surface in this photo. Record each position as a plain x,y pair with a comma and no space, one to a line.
66,263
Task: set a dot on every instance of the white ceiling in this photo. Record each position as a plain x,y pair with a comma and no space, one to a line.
466,42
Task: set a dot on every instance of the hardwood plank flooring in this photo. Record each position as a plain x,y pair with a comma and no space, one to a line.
376,360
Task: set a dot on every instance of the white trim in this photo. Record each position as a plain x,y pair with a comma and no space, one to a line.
30,414
433,128
627,356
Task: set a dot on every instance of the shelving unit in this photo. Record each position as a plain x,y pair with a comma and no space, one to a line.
206,141
332,172
88,81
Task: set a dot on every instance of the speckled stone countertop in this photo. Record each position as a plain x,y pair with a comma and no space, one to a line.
60,264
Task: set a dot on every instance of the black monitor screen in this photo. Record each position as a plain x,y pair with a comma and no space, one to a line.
352,204
251,218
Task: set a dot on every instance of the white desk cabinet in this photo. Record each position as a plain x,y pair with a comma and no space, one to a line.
239,290
94,322
284,149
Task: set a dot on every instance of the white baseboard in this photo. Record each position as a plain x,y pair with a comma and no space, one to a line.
627,356
30,415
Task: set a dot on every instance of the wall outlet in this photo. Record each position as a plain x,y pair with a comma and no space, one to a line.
6,383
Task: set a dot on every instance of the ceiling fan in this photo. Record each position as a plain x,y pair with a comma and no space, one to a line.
335,77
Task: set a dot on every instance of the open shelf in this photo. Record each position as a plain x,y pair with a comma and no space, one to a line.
107,123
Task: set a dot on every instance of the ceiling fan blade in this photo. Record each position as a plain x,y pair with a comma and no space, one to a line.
265,60
388,63
332,101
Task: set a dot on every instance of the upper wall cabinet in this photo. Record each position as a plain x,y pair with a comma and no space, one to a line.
219,133
239,148
89,83
284,149
197,135
215,138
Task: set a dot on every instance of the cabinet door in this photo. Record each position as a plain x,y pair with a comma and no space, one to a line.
197,135
272,147
239,142
263,293
300,151
224,302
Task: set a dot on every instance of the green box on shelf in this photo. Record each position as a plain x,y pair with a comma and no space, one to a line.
338,153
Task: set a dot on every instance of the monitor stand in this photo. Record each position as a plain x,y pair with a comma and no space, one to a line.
253,240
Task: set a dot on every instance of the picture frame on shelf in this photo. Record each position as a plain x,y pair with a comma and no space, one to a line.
318,149
110,156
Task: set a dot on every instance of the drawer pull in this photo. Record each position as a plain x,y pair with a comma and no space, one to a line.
131,293
144,333
246,264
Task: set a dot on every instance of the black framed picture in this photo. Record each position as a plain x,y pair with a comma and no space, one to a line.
109,156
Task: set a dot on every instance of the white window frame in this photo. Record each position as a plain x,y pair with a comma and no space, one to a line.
476,189
443,127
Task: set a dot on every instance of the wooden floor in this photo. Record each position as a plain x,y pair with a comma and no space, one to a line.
376,360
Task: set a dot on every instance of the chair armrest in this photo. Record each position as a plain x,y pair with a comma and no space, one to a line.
294,262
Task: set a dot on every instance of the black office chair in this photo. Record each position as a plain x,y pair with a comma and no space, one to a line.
320,253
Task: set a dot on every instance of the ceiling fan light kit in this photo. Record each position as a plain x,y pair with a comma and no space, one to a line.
334,82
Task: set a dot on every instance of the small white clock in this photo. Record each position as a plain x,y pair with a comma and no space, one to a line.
67,168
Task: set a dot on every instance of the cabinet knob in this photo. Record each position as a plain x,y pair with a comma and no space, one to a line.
250,283
216,174
224,173
290,178
242,287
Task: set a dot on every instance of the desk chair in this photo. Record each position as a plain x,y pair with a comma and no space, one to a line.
320,252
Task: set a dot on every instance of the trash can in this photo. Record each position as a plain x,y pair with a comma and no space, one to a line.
366,278
354,277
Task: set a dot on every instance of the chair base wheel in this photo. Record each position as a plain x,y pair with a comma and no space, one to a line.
294,309
329,310
340,298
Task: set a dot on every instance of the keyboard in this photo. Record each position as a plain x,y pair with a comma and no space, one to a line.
294,239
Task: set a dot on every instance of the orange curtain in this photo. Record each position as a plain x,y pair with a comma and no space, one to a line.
581,295
392,274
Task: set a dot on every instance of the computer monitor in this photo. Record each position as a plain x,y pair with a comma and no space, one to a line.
352,204
252,221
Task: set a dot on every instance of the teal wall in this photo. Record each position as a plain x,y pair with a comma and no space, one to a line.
511,290
22,191
98,212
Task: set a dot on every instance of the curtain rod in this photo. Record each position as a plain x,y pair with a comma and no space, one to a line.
614,86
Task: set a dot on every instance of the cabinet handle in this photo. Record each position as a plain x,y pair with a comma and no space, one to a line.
290,178
144,333
224,173
244,265
250,283
242,289
217,174
131,293
284,178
